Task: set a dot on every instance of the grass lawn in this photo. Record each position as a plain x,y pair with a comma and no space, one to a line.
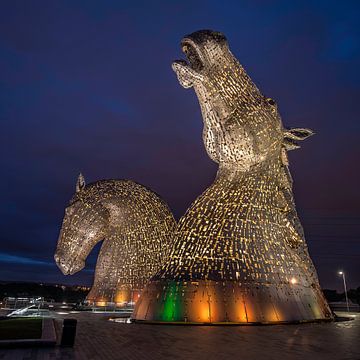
20,328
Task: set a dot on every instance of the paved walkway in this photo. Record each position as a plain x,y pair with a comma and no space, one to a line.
98,338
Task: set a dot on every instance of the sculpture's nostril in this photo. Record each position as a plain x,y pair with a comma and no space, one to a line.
62,263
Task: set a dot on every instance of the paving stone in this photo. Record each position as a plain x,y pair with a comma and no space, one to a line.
98,338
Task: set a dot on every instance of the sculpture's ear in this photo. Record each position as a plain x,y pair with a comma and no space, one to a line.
293,135
80,184
298,133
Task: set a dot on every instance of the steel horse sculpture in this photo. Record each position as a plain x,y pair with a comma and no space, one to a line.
239,253
136,226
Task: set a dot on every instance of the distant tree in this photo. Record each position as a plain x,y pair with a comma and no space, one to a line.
354,295
57,293
332,295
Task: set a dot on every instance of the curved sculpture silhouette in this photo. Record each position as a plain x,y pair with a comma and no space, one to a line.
239,254
136,226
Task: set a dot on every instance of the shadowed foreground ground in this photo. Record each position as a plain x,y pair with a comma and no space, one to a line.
98,338
20,328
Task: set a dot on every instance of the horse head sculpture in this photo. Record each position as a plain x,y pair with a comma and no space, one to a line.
135,224
242,128
85,224
239,253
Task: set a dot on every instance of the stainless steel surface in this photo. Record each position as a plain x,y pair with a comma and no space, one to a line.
136,226
240,254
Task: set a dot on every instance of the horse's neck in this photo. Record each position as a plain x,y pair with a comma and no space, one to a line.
269,183
271,171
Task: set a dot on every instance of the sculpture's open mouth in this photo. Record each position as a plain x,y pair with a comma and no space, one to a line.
189,71
192,53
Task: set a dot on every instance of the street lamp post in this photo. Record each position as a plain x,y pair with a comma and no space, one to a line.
346,297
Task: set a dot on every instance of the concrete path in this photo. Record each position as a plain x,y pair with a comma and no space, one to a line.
98,338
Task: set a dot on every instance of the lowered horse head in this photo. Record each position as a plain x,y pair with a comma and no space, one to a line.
85,224
136,226
242,128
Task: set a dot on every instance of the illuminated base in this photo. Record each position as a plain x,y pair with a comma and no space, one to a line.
229,303
122,298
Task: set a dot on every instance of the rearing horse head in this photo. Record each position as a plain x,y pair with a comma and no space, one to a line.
85,224
242,128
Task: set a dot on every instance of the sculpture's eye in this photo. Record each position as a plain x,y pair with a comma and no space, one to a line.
271,101
69,210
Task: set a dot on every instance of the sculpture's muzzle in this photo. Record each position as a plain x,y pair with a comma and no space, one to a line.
68,266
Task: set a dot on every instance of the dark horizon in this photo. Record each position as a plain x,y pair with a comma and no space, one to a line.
88,87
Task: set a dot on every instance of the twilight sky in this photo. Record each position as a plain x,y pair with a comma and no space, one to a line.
87,86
